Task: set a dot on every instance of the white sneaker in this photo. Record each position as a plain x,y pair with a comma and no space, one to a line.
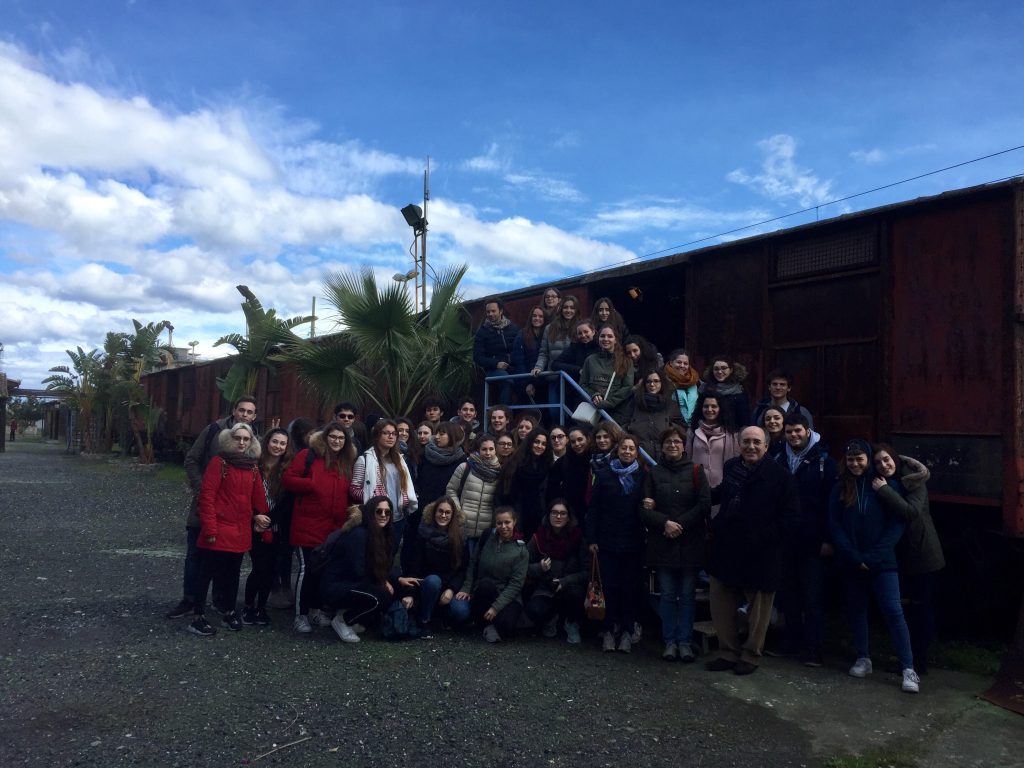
491,634
319,618
343,630
301,625
861,667
911,682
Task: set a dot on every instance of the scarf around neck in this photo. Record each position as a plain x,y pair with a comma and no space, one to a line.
626,479
486,472
241,462
443,457
682,381
558,546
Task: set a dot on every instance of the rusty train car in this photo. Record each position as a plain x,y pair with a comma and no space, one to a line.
904,323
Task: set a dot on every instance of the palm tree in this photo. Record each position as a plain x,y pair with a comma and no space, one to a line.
387,355
79,385
266,334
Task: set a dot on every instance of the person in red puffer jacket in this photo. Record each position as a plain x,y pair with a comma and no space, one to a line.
321,487
232,503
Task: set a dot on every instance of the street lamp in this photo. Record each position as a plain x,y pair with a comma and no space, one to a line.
416,218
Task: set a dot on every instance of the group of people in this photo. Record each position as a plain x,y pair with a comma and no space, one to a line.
405,523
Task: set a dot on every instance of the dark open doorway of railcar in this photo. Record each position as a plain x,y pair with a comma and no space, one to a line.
652,304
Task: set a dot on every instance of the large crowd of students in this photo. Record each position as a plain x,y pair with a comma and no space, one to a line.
498,521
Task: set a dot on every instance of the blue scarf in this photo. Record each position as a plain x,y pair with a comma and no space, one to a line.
625,474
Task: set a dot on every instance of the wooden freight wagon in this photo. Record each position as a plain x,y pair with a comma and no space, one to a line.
901,323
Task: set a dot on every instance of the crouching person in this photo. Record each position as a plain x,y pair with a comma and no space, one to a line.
438,565
494,581
356,582
557,572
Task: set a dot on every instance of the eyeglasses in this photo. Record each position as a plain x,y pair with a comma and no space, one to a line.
443,513
505,444
382,511
652,382
346,416
389,433
336,438
558,437
673,441
559,512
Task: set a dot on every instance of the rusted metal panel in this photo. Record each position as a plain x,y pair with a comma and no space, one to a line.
950,304
951,348
1013,511
727,296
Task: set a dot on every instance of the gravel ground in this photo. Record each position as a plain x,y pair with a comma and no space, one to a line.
91,554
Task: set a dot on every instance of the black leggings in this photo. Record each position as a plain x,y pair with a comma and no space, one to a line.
362,604
566,602
261,577
221,568
307,586
484,594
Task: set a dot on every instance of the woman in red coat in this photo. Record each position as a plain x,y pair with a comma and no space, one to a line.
320,477
232,503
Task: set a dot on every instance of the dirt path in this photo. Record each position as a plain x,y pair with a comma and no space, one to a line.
94,675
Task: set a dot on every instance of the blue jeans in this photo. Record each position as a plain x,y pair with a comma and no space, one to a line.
886,586
456,612
678,604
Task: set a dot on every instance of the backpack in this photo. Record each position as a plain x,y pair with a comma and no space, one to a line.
322,552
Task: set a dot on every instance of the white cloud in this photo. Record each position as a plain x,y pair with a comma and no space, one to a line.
869,156
546,188
490,161
876,156
112,209
671,214
781,179
518,245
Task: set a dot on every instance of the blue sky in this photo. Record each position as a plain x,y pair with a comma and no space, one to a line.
153,155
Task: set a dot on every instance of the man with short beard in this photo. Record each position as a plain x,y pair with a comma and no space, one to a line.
758,501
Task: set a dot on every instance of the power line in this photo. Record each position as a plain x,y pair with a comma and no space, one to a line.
676,248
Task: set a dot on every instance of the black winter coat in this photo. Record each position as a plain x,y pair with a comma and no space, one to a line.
676,498
492,345
814,478
748,533
572,359
432,557
613,521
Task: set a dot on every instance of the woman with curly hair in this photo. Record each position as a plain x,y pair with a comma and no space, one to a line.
232,503
523,480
